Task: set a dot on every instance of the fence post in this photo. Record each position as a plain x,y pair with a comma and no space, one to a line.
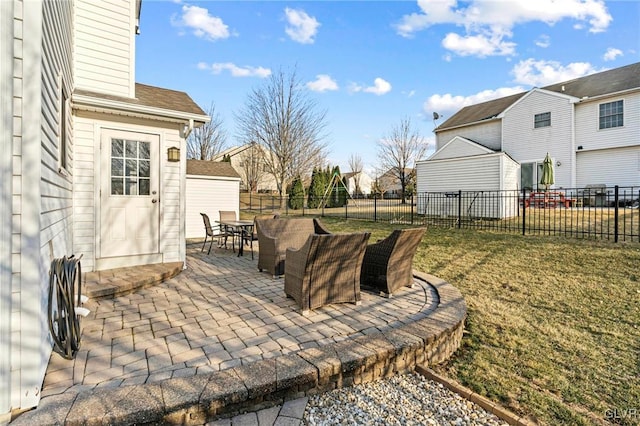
459,208
346,212
412,209
375,208
524,210
615,213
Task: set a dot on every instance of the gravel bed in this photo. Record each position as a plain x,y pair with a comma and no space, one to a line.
409,399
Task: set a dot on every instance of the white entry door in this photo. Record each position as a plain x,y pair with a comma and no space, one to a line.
129,196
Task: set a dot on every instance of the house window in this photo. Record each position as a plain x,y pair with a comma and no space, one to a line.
64,133
611,115
130,167
542,120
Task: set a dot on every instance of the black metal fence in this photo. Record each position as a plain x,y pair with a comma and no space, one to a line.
611,213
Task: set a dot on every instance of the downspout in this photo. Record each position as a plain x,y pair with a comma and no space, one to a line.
187,128
185,131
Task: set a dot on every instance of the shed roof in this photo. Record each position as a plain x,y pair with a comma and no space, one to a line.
211,168
602,83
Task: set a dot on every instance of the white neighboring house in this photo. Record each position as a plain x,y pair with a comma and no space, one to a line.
364,181
390,184
85,166
248,161
211,186
590,126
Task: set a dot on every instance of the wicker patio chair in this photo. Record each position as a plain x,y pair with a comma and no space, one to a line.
250,238
325,270
275,236
387,264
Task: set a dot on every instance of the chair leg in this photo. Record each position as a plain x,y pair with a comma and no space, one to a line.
205,243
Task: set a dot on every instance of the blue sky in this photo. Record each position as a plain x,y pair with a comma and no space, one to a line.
370,64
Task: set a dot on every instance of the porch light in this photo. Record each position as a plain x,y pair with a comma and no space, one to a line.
173,154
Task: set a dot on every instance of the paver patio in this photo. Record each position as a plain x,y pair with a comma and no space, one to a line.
221,314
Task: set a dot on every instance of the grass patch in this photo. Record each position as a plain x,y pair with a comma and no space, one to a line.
553,327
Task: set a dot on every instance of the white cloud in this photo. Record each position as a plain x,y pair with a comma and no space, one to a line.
611,54
487,24
234,70
302,27
478,45
380,87
201,23
322,83
451,103
542,73
543,41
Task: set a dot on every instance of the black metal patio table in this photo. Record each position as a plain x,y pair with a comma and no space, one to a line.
241,228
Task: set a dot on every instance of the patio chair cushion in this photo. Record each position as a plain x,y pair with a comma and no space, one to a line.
275,236
325,270
387,264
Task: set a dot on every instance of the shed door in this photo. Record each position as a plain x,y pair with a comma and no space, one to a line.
129,213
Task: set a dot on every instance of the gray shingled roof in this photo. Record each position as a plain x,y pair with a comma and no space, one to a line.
211,168
602,83
152,96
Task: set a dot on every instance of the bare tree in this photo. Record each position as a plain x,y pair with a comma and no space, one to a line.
252,166
206,141
287,124
356,166
399,151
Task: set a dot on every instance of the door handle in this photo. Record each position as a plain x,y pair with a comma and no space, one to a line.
153,200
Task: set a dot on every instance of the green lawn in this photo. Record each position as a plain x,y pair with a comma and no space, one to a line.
553,327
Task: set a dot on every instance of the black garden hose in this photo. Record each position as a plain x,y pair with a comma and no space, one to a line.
65,284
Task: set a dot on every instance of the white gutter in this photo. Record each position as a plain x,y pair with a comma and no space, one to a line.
90,103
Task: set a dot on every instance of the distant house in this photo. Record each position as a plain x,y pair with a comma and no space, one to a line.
93,164
211,186
363,180
590,126
249,161
389,183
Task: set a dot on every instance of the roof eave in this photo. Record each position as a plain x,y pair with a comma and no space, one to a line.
607,95
90,103
473,123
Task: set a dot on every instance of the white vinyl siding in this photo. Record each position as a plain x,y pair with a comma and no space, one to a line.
590,137
525,143
104,46
610,167
7,110
87,129
467,174
172,201
488,134
44,194
484,174
209,195
41,195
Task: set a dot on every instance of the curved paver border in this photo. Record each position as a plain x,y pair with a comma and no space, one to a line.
198,399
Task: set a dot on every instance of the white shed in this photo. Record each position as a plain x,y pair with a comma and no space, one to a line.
211,186
488,179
